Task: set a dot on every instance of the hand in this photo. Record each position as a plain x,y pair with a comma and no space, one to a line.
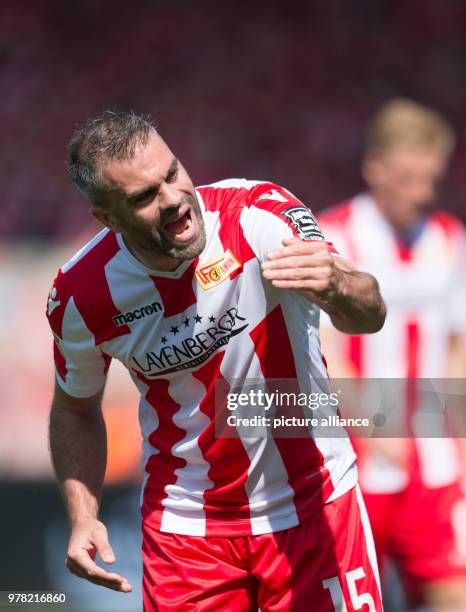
305,266
88,538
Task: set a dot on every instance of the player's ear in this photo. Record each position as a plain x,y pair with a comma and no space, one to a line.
105,217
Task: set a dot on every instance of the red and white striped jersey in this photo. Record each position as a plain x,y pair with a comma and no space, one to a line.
214,318
424,288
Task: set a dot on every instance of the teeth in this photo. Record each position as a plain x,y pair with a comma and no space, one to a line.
184,223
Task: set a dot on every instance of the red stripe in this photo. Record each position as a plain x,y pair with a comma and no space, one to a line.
404,253
277,207
61,298
451,226
300,456
227,499
232,237
412,370
355,350
91,292
60,362
230,202
162,466
412,349
177,294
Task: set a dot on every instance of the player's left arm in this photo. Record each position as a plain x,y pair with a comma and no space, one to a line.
351,298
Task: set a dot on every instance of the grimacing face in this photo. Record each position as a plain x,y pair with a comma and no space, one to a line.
404,181
151,201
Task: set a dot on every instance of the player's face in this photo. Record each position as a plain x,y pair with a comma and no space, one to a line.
151,200
404,182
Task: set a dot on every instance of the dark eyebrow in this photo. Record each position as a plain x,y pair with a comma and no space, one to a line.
136,195
173,166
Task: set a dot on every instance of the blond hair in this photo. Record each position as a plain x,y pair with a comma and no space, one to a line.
402,122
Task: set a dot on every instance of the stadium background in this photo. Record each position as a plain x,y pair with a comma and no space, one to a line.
271,90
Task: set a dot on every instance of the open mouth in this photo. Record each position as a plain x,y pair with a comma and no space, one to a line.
182,228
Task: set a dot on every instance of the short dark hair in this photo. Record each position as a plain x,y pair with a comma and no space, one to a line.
112,135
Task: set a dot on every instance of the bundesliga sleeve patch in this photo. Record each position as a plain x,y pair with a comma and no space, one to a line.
303,222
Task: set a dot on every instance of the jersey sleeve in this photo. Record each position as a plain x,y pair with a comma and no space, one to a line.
274,214
80,365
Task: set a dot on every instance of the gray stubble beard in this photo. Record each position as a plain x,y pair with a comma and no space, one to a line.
159,246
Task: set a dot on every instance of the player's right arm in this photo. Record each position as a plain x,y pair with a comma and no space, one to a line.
78,445
77,434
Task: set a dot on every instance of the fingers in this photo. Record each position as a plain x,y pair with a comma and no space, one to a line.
294,246
81,564
304,285
87,539
317,260
299,274
103,547
300,265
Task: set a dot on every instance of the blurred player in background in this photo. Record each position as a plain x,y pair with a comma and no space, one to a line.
187,287
411,485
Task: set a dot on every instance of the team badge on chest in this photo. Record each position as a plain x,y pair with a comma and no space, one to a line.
212,273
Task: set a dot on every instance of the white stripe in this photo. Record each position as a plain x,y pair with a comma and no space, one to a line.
370,547
237,183
149,422
186,494
253,220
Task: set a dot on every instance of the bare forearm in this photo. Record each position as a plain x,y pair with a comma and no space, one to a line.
355,305
79,449
351,298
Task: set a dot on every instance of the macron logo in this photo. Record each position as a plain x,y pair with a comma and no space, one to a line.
273,194
137,313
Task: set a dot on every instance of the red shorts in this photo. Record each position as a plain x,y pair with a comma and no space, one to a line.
316,565
424,531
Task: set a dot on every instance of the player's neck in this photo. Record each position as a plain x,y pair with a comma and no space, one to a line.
164,263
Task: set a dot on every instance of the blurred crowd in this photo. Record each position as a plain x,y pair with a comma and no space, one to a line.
271,90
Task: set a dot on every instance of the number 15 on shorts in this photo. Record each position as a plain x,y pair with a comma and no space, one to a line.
357,599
